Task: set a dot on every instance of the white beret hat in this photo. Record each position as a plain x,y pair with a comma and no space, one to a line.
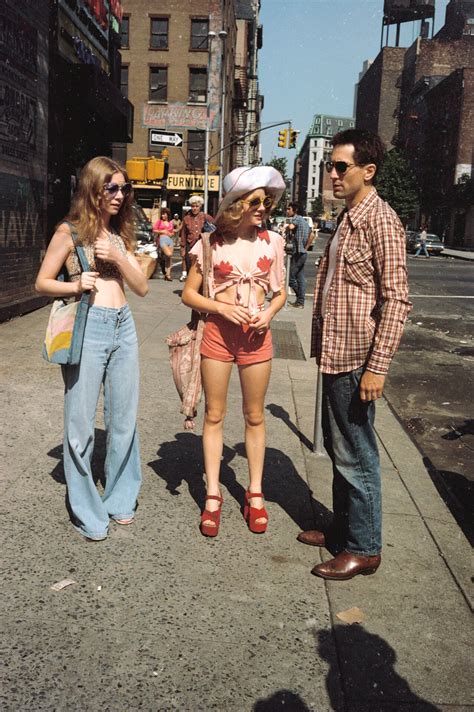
247,178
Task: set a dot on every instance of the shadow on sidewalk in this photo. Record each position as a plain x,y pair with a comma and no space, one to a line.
180,461
283,699
278,412
366,664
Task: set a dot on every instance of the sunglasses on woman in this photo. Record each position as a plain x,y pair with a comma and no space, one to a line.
340,166
113,188
267,202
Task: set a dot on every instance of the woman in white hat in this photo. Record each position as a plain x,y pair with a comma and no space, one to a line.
247,263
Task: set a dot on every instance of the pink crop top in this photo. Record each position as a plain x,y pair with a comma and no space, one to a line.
260,261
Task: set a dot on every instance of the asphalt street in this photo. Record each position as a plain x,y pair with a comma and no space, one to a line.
430,384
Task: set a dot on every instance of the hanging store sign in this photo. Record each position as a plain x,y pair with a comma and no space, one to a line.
177,115
188,181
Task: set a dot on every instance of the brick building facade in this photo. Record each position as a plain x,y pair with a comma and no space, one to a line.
420,99
379,95
166,55
23,152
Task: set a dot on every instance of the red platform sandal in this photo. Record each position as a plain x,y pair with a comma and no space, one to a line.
251,514
215,517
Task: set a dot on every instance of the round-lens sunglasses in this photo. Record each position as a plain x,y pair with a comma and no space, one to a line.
267,202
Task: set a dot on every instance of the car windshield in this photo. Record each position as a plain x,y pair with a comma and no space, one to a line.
433,238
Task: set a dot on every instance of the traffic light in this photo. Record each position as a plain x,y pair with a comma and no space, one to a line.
282,138
293,138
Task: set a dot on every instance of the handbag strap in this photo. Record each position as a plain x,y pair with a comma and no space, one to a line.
83,261
206,262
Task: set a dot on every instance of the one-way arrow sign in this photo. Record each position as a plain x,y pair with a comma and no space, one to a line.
165,138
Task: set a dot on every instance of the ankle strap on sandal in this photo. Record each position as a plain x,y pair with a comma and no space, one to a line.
214,496
249,495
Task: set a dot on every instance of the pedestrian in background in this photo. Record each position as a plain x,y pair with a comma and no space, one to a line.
247,263
164,231
422,247
302,238
101,213
361,304
191,229
177,228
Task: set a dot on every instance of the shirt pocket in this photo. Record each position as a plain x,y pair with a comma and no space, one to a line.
358,266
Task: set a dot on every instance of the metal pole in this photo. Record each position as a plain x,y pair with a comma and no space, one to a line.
318,442
210,36
223,37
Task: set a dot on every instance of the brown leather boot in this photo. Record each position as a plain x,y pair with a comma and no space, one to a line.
345,566
313,537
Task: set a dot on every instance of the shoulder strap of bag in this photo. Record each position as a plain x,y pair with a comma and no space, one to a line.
206,262
79,249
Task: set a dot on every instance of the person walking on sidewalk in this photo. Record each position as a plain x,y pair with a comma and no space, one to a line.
302,238
422,247
247,263
164,231
193,225
101,215
361,304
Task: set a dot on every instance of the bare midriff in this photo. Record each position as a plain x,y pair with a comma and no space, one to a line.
109,293
229,295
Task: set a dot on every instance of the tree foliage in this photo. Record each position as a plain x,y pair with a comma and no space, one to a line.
281,165
317,207
397,185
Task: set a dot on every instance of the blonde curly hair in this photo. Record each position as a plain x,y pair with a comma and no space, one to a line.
229,221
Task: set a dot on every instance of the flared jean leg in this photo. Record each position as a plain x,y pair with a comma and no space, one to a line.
121,391
82,389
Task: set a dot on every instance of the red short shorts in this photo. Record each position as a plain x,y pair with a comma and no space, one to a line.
225,341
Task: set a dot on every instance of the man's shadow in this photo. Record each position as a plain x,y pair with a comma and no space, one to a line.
366,664
283,699
278,412
180,462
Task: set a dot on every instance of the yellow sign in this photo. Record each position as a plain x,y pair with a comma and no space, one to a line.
185,181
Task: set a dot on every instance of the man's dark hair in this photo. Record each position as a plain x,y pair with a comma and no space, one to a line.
296,208
368,147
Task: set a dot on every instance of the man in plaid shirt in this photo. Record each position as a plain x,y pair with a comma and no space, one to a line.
361,304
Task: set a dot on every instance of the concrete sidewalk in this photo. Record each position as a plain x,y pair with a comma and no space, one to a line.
458,254
161,618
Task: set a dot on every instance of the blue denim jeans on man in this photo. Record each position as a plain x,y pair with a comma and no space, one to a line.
349,438
109,358
297,279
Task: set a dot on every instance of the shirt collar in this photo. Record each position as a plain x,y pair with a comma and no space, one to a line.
358,212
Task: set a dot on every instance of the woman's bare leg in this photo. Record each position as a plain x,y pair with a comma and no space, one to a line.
254,383
215,380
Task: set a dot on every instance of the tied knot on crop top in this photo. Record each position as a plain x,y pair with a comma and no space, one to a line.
259,261
106,270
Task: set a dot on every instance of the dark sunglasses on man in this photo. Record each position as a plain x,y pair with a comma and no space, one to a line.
340,166
113,188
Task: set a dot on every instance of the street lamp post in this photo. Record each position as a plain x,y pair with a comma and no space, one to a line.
210,35
223,37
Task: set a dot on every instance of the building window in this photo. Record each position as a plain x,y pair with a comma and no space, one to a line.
159,33
125,32
124,80
340,122
314,156
329,130
198,85
313,181
351,124
328,121
158,84
199,31
196,147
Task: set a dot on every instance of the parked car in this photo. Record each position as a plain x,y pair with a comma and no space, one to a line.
327,226
434,244
143,226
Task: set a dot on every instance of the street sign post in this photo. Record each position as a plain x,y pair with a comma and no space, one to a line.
165,138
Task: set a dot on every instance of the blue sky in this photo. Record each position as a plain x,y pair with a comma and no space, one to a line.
312,53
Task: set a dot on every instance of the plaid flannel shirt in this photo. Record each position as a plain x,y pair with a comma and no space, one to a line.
300,234
367,303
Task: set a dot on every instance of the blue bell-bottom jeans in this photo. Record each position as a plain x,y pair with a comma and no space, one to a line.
297,279
109,359
349,438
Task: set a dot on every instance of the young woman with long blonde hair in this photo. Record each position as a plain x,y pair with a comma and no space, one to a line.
101,217
247,263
